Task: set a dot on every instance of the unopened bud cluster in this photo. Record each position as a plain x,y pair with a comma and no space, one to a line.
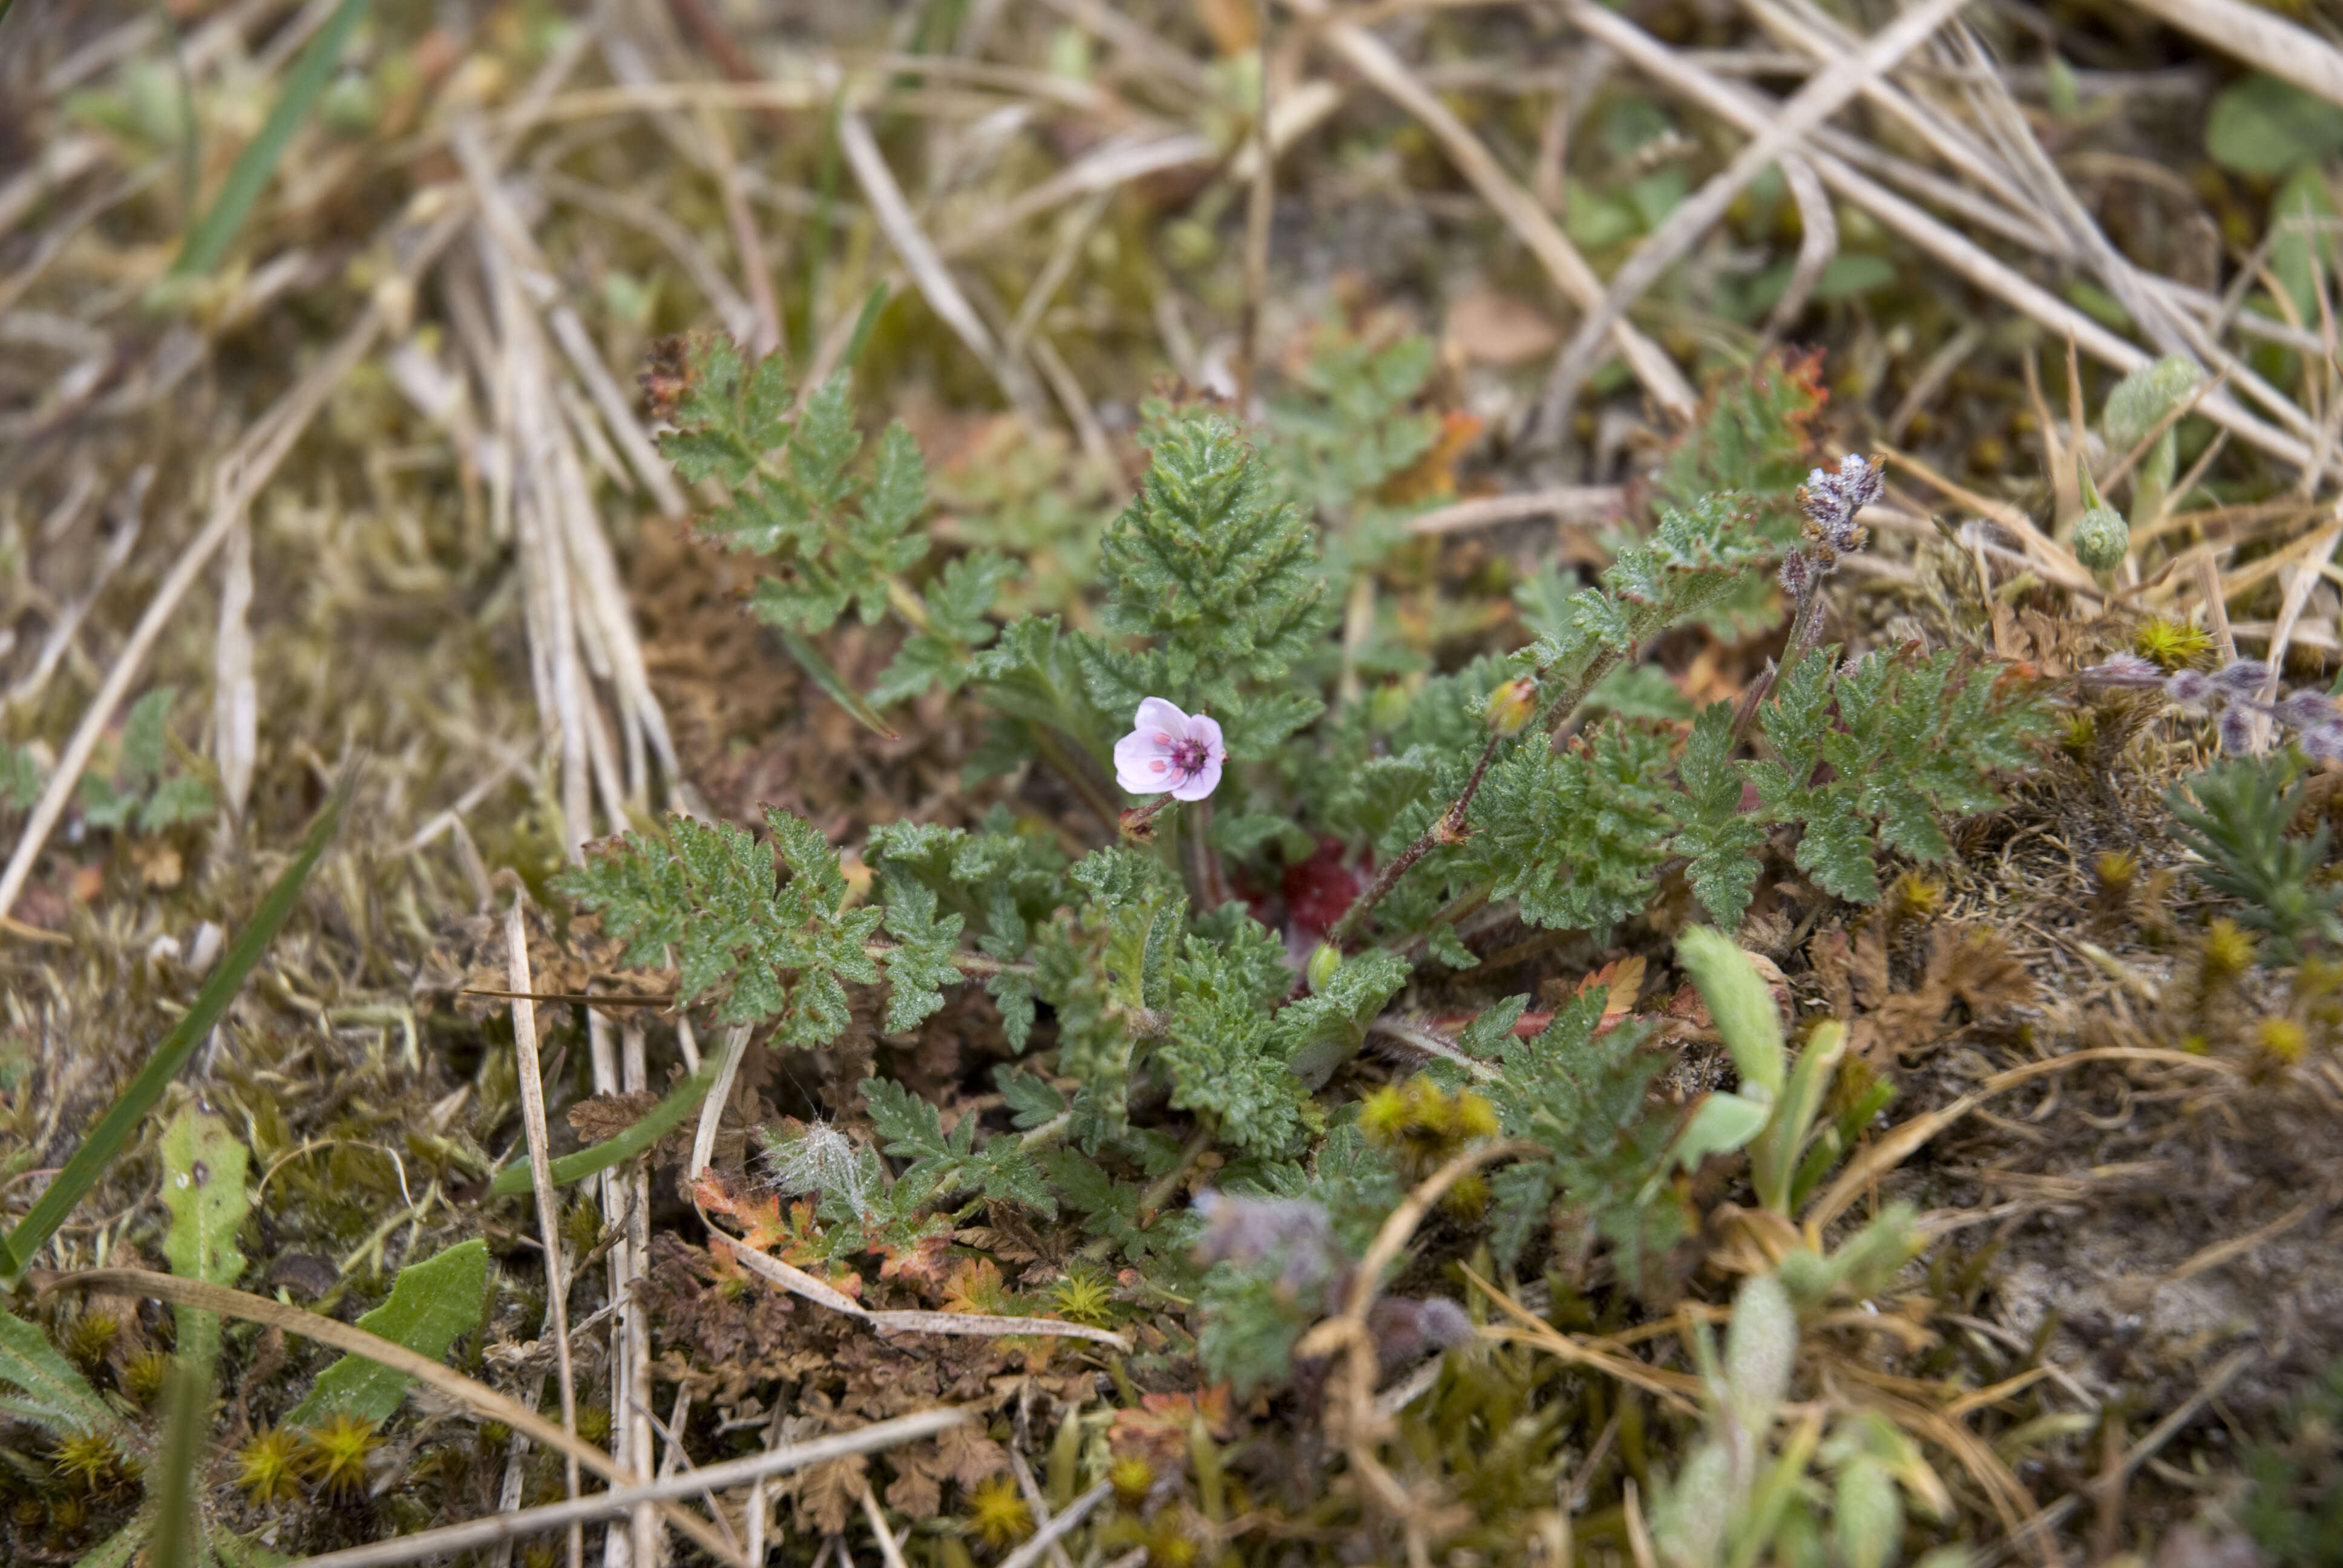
1316,1273
2235,690
1831,499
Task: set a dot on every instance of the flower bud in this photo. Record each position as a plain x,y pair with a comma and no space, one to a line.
1513,704
1324,962
2101,539
2242,678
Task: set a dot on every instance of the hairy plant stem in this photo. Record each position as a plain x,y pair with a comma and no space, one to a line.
1806,631
966,963
1449,827
1208,885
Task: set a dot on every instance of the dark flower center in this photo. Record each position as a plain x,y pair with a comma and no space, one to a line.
1189,754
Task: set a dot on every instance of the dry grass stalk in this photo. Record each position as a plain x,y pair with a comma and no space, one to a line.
573,1515
1747,110
929,273
630,1409
238,478
1059,1528
548,1203
798,1282
483,1401
1530,222
1825,92
1567,504
2262,39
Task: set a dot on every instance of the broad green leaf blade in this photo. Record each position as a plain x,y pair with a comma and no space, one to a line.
2261,126
1740,1003
116,1129
57,1397
430,1303
202,1187
514,1179
811,659
207,246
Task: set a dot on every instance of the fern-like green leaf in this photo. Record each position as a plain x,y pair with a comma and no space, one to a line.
707,897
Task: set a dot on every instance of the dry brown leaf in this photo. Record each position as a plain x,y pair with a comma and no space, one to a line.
606,1116
1967,965
1486,327
831,1493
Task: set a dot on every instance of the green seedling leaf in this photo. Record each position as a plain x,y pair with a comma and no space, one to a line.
678,1102
52,1395
1867,1515
1740,1003
1761,1349
1721,1124
202,1187
430,1303
208,244
1773,1161
2261,126
120,1125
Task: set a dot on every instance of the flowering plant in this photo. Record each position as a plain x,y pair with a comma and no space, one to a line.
1193,981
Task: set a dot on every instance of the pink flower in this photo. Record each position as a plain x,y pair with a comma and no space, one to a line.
1168,750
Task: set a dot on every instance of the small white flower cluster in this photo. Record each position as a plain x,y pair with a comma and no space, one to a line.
2235,690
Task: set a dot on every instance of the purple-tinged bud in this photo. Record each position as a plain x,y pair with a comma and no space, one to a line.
1404,1330
1798,575
2237,726
2124,669
2305,709
2190,687
2242,678
1247,1230
2323,742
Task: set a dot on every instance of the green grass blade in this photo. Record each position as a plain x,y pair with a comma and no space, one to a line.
120,1125
514,1179
871,306
207,243
809,659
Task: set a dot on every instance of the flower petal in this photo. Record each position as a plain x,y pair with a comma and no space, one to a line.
1156,717
1204,726
1143,765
